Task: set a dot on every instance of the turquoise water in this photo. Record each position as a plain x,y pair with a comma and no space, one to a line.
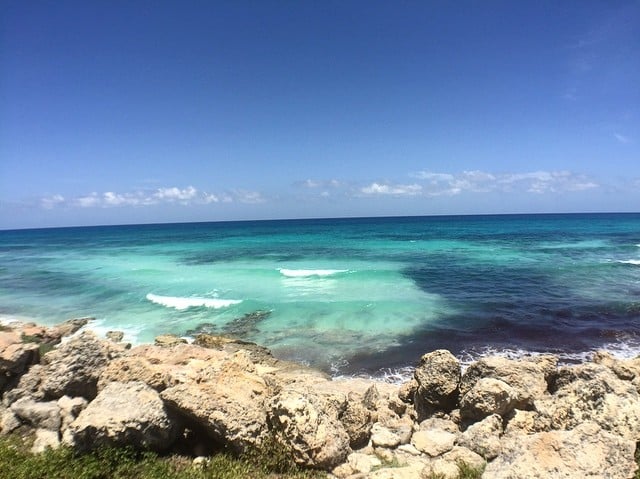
348,295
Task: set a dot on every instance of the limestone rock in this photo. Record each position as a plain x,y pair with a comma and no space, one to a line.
363,463
9,422
134,368
625,369
165,340
438,377
16,357
483,437
487,396
593,392
115,336
433,443
74,368
42,415
584,452
45,438
356,419
438,423
124,414
308,425
408,390
528,377
383,437
70,408
72,326
526,422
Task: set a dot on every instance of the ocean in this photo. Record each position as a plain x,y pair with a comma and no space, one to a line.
363,296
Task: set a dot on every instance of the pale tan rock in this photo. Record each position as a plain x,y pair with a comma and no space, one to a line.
584,452
527,422
41,415
410,471
134,368
45,438
70,408
528,377
124,414
434,442
165,340
384,437
307,423
487,396
625,369
466,456
9,422
115,336
438,423
593,392
363,463
71,326
483,437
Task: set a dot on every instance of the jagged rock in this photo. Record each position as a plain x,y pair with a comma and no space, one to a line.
584,452
592,392
134,368
28,386
438,377
625,369
408,390
434,442
308,425
166,340
115,336
363,463
356,419
16,357
483,437
70,408
410,471
528,377
124,414
526,422
9,422
487,396
41,415
72,326
74,368
45,438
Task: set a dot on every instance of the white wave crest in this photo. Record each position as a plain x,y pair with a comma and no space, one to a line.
184,303
630,261
305,273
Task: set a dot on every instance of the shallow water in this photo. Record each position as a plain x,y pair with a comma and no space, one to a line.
351,296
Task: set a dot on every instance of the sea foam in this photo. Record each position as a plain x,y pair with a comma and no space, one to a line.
630,261
181,303
305,273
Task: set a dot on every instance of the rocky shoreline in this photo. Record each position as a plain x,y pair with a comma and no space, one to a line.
528,418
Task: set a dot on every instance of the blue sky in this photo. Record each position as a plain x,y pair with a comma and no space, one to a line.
136,112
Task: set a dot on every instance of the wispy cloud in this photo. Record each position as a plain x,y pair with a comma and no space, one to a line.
391,189
622,138
476,181
165,195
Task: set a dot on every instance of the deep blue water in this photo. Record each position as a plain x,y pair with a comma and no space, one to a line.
347,295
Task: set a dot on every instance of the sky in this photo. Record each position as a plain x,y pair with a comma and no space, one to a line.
119,112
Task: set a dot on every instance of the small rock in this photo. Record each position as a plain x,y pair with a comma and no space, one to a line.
438,375
9,422
383,437
72,326
201,462
362,462
434,443
483,437
45,438
115,336
42,415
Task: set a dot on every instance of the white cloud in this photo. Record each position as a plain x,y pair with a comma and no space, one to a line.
476,181
166,195
389,189
51,202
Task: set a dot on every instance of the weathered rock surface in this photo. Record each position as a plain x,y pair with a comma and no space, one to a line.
308,424
438,376
124,414
74,367
488,396
483,437
40,415
584,452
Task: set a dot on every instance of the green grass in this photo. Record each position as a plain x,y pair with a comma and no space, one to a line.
16,462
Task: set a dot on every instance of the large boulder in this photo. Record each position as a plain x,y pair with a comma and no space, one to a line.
529,378
438,377
42,415
584,452
227,400
134,368
487,396
129,414
593,392
307,423
73,368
